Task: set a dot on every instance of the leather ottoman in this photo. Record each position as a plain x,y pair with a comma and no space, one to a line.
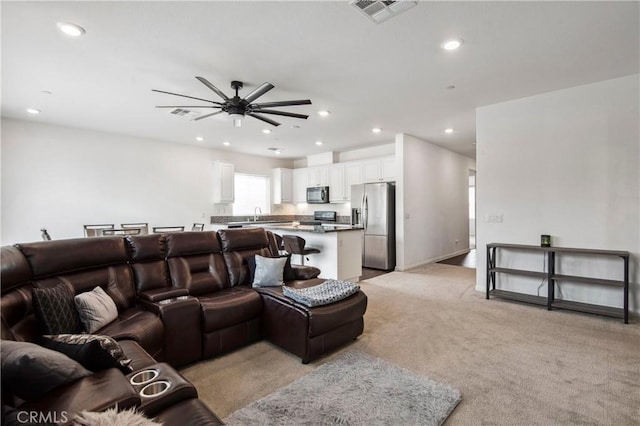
310,332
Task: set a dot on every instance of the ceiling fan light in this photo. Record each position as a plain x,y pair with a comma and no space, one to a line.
237,119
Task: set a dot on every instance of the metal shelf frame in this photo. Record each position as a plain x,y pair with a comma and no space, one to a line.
550,301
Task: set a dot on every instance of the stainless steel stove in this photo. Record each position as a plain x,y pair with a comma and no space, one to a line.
320,217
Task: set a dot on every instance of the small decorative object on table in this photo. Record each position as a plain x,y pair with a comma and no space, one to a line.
545,240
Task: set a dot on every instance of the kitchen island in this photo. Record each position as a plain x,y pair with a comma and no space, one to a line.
340,247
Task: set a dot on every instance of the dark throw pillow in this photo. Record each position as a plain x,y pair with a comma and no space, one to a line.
94,351
287,274
30,371
55,310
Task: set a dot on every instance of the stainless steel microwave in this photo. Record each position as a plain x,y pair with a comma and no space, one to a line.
318,195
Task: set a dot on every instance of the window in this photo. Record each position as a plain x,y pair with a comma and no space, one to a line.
251,191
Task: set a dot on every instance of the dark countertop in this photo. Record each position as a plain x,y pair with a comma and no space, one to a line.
311,228
288,226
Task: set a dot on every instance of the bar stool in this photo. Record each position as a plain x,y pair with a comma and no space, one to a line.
296,245
279,243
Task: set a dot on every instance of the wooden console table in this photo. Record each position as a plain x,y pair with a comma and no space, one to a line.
551,276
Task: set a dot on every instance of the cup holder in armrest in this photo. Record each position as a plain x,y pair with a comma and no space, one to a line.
144,376
155,389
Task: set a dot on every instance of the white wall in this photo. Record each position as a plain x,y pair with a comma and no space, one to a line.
61,178
564,163
432,202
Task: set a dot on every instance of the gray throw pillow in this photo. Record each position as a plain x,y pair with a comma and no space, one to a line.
96,309
269,271
30,371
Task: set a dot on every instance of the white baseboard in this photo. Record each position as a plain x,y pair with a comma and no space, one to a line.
432,260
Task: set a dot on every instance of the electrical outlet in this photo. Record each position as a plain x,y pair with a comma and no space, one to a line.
494,218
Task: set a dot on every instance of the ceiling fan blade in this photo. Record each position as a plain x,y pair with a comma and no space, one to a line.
207,115
264,88
265,119
212,87
184,106
283,103
185,96
286,114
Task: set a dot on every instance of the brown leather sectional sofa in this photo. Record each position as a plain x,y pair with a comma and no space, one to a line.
181,297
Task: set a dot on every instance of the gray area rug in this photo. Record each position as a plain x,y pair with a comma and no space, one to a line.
353,389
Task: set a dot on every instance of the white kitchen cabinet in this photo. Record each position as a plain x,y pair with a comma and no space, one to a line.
341,177
388,169
300,182
336,184
379,170
318,176
282,186
223,175
352,176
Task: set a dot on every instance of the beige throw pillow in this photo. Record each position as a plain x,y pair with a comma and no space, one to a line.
96,309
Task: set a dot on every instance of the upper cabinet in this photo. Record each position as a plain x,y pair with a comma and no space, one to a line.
300,183
336,184
379,170
223,175
282,186
341,177
318,176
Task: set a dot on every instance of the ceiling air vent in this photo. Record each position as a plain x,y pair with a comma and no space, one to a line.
380,11
186,113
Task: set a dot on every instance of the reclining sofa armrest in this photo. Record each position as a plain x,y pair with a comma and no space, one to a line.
159,294
97,392
305,272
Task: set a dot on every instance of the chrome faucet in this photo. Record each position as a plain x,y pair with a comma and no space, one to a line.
257,211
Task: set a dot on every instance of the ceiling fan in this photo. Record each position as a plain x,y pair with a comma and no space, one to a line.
238,107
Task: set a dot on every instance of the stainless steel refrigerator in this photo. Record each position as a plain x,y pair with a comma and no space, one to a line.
373,206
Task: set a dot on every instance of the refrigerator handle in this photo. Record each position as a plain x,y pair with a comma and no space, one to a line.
365,210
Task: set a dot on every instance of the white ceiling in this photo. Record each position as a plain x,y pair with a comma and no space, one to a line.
392,75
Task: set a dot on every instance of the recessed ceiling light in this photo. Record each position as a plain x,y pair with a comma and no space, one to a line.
449,130
33,111
70,29
324,113
277,152
376,130
266,131
319,143
226,143
451,44
199,138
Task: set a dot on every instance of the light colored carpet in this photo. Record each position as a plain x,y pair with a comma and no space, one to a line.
353,389
514,364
